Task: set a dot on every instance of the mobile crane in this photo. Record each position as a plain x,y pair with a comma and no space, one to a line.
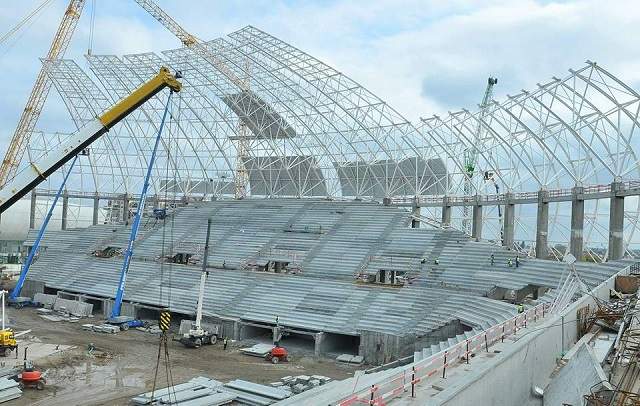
197,336
37,172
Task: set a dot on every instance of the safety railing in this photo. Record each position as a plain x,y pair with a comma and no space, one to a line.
409,377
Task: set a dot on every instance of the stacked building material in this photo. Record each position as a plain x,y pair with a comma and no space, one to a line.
300,383
256,394
9,390
258,350
198,391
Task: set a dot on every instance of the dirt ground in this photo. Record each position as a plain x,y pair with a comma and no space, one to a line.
76,377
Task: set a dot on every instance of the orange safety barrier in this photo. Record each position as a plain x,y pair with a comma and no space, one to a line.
412,375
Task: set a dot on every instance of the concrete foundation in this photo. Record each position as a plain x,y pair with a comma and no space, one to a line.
577,223
616,223
476,225
542,226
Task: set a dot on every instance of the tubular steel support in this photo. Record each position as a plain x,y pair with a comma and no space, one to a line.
15,293
128,253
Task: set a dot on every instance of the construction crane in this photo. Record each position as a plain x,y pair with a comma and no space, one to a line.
39,93
471,154
197,336
192,42
37,172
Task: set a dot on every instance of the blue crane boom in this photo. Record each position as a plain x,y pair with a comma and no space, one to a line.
128,253
15,293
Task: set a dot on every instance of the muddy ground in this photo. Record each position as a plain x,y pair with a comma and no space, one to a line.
76,377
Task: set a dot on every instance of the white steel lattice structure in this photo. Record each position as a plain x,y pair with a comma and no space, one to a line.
310,131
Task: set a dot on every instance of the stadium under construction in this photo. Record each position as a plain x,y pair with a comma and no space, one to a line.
338,228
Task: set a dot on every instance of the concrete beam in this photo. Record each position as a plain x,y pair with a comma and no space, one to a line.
476,225
96,209
577,222
616,223
508,224
446,212
32,212
65,209
542,226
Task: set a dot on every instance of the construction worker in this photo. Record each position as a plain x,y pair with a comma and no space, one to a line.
224,343
517,261
436,261
493,259
510,263
520,308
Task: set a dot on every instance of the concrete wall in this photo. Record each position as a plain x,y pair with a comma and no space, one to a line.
580,376
378,348
524,364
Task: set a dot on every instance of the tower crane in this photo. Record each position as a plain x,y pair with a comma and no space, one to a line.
471,154
192,42
39,93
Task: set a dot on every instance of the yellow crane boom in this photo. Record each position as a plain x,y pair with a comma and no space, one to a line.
192,42
38,171
38,96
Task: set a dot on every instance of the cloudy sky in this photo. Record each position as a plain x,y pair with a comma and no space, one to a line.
422,56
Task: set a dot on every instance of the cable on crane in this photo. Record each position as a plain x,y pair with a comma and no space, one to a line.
92,24
163,347
24,21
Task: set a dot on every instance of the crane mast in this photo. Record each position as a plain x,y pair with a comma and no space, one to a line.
39,93
192,42
471,154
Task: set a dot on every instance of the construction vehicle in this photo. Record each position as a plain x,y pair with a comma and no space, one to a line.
198,336
37,172
30,377
277,354
8,341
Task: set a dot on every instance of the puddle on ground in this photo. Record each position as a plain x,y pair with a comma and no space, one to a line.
69,378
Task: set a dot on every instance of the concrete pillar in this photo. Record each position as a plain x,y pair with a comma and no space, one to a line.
32,212
577,223
616,223
508,223
65,209
125,207
542,225
446,211
476,225
318,339
96,209
415,222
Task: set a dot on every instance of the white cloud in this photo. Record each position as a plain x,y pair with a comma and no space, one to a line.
423,57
